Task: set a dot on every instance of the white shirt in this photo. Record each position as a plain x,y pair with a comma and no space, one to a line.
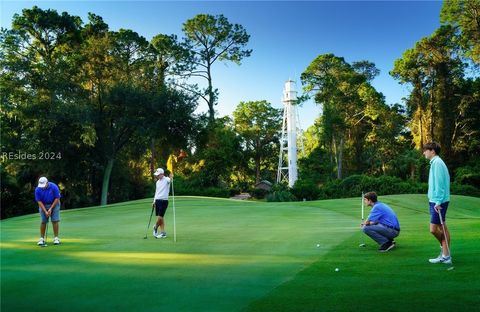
162,189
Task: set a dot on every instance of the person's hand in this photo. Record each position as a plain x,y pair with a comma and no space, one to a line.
438,208
49,212
153,205
171,175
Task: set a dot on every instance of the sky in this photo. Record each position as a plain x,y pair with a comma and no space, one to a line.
285,36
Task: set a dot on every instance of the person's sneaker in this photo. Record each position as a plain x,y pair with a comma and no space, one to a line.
386,247
155,230
56,241
41,241
437,259
441,259
163,234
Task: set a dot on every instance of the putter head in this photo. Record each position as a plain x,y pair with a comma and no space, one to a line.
362,245
44,245
450,268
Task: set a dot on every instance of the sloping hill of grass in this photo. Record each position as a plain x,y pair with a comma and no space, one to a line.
237,255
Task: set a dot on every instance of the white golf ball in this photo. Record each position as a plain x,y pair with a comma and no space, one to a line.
337,269
318,245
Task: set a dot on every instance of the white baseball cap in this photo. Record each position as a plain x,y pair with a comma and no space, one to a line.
158,172
42,182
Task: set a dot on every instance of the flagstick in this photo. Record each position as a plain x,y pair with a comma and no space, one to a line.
362,207
363,219
174,217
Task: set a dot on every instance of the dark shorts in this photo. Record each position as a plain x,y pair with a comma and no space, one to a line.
160,207
434,218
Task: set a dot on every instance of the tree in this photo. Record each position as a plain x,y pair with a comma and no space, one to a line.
258,124
434,69
42,105
169,59
218,155
170,62
213,38
337,85
464,16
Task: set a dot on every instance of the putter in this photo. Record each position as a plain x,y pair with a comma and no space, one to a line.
149,221
363,219
446,239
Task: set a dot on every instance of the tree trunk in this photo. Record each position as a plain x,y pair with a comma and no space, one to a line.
334,151
152,159
257,169
340,157
106,181
412,171
211,96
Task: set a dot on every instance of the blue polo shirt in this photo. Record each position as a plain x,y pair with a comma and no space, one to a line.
383,214
47,195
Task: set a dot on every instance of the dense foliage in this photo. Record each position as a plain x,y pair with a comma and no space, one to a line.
96,111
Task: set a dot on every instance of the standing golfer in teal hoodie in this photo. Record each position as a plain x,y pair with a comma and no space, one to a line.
438,197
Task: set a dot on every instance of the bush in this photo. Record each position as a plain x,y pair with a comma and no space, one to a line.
214,192
258,193
184,187
469,175
468,190
305,189
354,185
281,196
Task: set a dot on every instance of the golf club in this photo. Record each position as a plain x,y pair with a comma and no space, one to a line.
446,239
149,221
174,216
363,219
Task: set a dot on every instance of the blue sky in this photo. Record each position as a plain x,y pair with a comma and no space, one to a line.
285,36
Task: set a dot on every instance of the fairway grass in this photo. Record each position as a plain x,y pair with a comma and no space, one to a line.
240,256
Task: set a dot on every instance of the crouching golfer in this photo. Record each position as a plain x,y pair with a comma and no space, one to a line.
160,201
382,224
47,195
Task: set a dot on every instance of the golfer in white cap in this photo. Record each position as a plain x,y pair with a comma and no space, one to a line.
160,201
47,195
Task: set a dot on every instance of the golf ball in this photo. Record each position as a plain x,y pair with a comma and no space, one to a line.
337,269
318,245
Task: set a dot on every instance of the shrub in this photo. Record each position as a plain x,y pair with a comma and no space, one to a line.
258,193
215,192
469,175
384,185
468,190
185,187
280,196
305,189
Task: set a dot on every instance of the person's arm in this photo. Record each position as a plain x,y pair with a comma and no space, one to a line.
38,198
154,193
42,206
56,200
372,217
54,204
440,185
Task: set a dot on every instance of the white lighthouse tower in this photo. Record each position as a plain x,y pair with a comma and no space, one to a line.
287,163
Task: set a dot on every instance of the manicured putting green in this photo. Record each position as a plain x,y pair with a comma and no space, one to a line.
238,255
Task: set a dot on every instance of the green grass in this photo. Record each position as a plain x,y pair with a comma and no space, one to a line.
240,256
